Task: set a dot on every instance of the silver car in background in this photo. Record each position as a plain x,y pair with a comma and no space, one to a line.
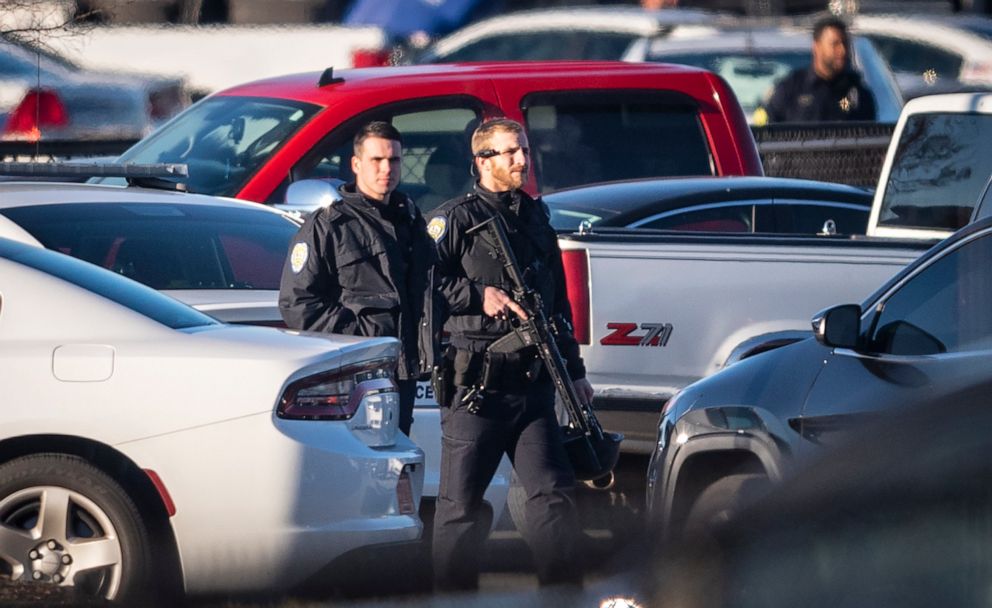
45,97
586,33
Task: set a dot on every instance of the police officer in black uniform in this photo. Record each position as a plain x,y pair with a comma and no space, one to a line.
515,414
829,89
362,265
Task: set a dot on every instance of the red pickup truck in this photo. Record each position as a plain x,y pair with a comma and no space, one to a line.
587,122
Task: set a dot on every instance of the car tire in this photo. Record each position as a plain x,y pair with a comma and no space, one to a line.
67,523
722,500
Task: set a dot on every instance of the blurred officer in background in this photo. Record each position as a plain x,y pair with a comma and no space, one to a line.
829,89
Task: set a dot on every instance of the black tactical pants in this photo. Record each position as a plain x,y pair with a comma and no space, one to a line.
523,426
408,395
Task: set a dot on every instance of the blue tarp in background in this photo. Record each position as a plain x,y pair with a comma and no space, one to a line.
401,18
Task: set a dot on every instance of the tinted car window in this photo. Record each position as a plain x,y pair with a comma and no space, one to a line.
224,140
567,218
807,218
17,61
579,139
947,307
939,171
129,294
912,56
167,246
542,46
734,217
436,153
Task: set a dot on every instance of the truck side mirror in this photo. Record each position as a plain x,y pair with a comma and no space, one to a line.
309,195
838,326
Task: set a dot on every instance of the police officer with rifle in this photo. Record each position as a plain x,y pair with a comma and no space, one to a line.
497,384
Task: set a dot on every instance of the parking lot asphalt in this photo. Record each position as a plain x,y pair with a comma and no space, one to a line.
612,526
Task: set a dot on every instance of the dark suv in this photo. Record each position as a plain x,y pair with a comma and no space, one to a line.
926,332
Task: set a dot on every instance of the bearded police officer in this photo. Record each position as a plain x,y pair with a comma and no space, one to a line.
829,89
514,413
361,266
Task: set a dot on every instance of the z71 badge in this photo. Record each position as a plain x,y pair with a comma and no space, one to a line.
656,334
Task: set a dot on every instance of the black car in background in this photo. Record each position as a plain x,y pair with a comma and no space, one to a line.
925,333
713,204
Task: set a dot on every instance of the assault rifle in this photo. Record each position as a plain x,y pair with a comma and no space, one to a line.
593,453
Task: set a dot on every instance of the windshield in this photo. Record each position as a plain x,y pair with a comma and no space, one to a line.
940,168
751,76
129,294
22,61
167,246
223,140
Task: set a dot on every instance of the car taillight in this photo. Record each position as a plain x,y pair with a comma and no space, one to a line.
332,396
370,58
576,263
404,492
38,110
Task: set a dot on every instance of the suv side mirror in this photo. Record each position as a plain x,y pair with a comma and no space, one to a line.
838,326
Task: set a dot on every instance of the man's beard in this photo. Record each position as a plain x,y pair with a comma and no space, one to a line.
507,180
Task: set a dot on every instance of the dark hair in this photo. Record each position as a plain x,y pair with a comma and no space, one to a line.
827,22
484,132
376,128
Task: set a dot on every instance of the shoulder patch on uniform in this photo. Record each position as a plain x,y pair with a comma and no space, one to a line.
298,257
437,227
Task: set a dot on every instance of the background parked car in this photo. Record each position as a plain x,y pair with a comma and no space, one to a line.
144,445
932,53
583,32
753,60
717,204
926,332
44,96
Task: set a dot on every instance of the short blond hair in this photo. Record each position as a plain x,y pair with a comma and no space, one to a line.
483,134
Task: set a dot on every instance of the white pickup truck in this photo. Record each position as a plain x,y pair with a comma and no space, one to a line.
657,310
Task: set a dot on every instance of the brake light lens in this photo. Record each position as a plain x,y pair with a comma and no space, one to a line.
40,109
370,58
576,263
331,395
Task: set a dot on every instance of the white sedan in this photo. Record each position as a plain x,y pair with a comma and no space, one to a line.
140,438
223,257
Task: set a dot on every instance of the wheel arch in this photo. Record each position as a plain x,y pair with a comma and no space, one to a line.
710,461
125,472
